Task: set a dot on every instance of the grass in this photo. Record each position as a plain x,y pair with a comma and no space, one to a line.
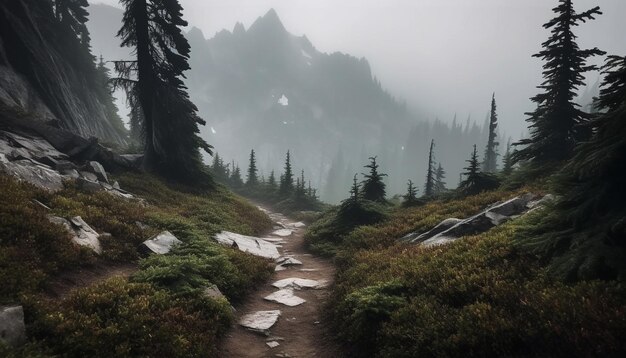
161,310
479,296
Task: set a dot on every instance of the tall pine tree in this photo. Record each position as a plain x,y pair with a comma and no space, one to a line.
585,233
286,179
373,185
252,179
170,121
507,161
491,151
440,180
410,198
558,124
429,187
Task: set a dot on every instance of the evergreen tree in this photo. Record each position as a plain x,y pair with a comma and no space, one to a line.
429,187
507,162
475,181
585,233
410,198
235,177
286,180
558,124
73,15
170,121
440,184
300,191
491,151
373,185
271,182
104,90
252,179
355,191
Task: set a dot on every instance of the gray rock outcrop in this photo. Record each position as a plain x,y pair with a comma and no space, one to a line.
160,244
252,245
12,327
82,233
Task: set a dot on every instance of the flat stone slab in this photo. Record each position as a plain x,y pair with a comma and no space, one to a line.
162,243
299,283
252,245
260,321
289,261
282,232
272,344
274,240
285,297
297,225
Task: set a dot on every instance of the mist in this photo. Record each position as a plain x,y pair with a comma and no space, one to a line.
441,56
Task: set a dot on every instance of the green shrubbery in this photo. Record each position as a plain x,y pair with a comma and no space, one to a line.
478,296
162,310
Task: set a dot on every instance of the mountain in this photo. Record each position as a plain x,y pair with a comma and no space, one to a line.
266,89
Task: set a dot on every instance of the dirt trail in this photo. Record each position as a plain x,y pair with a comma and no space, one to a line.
68,281
300,330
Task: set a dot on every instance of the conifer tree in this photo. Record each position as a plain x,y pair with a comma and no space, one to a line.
429,187
507,161
73,15
235,177
286,181
373,185
440,184
104,90
585,234
410,198
491,151
170,121
271,181
558,124
252,179
355,191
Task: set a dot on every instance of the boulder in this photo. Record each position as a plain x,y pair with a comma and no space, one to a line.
297,225
88,185
252,245
88,175
442,226
214,292
160,244
98,170
282,232
260,321
299,283
12,327
82,233
285,297
34,173
71,173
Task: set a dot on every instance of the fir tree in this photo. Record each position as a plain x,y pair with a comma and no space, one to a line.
429,187
252,179
440,184
286,180
355,191
373,185
476,182
235,177
271,182
105,92
170,121
507,162
73,15
491,154
410,198
558,124
585,233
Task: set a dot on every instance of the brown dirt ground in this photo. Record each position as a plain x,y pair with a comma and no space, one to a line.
67,281
301,330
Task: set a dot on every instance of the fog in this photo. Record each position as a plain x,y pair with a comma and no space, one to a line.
441,56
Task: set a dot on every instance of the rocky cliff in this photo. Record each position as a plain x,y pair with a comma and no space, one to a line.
39,79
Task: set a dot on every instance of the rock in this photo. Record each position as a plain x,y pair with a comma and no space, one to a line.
282,232
129,160
274,240
298,225
40,204
279,225
285,297
64,165
34,173
141,225
160,244
442,226
82,233
19,153
98,170
308,270
540,202
289,261
252,245
260,321
88,175
272,344
214,292
71,173
12,327
116,185
49,161
88,185
35,146
299,283
279,268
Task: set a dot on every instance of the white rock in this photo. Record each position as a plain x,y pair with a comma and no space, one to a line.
252,245
260,321
308,270
285,297
272,344
99,171
214,292
35,173
275,240
298,283
82,233
282,232
12,327
162,243
298,225
290,261
279,268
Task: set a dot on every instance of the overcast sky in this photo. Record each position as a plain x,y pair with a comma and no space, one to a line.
441,56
